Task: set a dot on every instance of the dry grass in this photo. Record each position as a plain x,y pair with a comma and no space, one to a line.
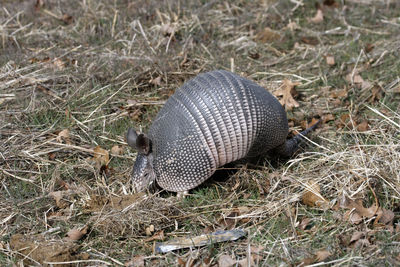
98,67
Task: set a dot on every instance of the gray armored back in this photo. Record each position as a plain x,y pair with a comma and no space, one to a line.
213,119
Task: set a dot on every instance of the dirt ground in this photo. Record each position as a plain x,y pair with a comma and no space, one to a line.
75,75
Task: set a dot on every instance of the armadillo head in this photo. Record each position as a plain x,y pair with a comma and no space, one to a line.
142,174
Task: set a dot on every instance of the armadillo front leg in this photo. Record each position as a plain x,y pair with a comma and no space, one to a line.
290,146
182,194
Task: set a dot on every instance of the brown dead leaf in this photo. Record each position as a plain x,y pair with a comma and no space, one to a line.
322,255
41,249
330,60
77,234
304,223
58,197
356,236
307,261
344,240
385,216
226,261
363,126
137,261
356,205
135,114
267,35
206,261
67,19
287,91
369,47
117,150
356,212
354,79
312,197
310,40
186,262
356,240
360,243
319,17
156,81
181,262
314,121
157,236
339,94
329,117
376,94
345,117
343,121
352,217
318,256
52,155
101,156
357,80
304,124
64,136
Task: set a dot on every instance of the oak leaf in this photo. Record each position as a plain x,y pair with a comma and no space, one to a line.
64,136
363,126
356,212
76,234
312,196
287,90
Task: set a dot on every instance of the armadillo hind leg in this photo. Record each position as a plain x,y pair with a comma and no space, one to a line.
182,194
290,146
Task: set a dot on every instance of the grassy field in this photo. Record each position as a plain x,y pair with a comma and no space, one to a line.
75,75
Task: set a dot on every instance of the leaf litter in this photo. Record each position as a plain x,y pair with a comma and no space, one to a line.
287,91
44,250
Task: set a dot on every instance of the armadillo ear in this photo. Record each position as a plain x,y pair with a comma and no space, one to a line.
131,138
143,144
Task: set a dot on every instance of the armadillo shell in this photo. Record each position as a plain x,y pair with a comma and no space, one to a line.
213,119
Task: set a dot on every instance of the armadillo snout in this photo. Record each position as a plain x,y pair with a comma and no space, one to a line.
143,174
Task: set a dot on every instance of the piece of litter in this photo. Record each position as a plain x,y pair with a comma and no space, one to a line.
201,240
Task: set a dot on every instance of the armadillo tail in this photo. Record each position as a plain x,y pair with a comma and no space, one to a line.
288,148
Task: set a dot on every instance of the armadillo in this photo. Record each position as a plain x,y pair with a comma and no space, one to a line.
215,118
